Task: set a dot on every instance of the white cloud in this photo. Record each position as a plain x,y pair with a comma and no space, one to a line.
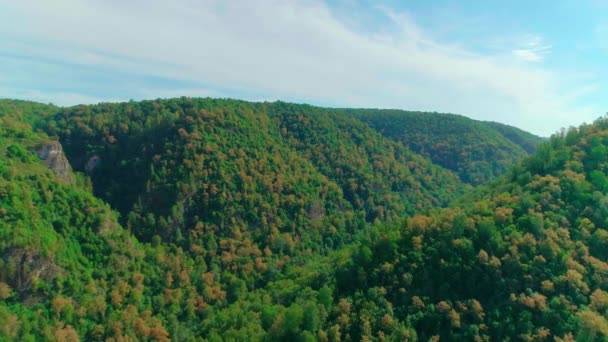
297,50
532,49
529,55
55,97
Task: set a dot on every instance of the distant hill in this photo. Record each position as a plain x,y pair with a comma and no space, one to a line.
477,151
26,111
528,141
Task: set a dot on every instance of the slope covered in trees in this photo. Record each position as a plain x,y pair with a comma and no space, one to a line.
238,229
193,170
477,151
26,111
62,251
69,271
522,259
528,141
372,171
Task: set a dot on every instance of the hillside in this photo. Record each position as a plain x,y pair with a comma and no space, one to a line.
26,111
227,168
528,141
62,249
522,259
69,271
213,220
477,151
224,198
376,174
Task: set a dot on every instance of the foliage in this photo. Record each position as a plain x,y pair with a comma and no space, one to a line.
225,220
193,171
477,151
520,259
528,141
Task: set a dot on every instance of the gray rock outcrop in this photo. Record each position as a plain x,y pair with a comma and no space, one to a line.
55,159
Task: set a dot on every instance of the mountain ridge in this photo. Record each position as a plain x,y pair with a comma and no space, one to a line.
477,151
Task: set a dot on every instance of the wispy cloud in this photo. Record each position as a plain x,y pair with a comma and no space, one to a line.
57,98
532,49
293,50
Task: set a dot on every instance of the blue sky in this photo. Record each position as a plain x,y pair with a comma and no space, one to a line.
538,65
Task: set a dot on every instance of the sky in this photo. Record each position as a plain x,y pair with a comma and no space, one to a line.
537,65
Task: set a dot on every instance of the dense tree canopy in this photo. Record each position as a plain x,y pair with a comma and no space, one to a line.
190,170
212,220
477,151
521,259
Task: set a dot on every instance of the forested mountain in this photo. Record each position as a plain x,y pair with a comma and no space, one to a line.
522,259
62,250
190,170
224,220
224,199
373,171
528,141
477,151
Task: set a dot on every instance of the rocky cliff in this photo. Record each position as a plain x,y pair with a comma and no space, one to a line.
55,159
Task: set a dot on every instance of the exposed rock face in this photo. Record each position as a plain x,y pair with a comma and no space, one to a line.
92,164
316,211
23,267
55,159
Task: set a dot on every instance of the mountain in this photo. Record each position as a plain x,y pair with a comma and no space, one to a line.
477,151
202,219
523,258
216,201
62,249
373,171
528,141
266,171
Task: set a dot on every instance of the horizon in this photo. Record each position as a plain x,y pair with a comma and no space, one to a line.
291,102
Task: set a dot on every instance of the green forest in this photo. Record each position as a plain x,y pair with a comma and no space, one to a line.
477,151
199,219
